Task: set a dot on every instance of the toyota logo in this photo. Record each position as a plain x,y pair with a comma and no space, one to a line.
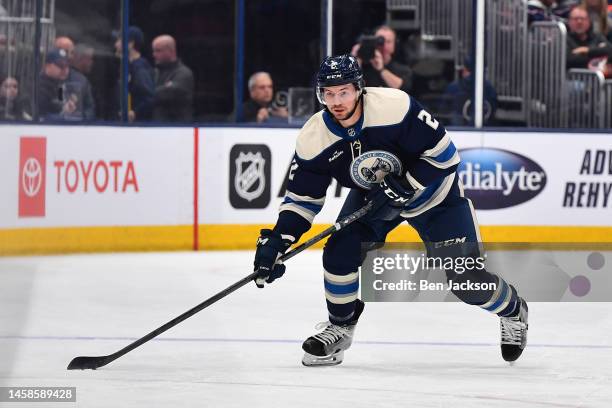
32,177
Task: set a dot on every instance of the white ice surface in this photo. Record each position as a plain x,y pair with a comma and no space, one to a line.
244,351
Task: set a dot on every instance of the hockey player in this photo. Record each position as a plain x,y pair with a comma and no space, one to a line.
387,149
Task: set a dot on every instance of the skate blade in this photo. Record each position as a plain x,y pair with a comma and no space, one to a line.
310,360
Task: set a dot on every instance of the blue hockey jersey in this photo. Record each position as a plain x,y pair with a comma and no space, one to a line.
394,135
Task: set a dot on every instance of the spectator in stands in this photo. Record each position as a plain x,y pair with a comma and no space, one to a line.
598,13
77,82
141,85
12,105
66,44
54,102
564,7
545,10
261,108
458,98
584,47
174,83
383,70
83,58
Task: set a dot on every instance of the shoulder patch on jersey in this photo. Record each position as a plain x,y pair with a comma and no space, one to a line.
385,106
314,138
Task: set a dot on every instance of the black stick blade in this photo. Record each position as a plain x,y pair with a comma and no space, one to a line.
88,363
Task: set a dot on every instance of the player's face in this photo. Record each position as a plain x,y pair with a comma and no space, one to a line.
340,100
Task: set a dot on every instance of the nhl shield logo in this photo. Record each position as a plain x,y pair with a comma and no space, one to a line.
250,176
249,180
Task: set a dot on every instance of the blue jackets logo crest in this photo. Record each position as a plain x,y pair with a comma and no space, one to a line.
371,167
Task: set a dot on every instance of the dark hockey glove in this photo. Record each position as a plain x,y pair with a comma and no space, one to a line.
389,198
270,245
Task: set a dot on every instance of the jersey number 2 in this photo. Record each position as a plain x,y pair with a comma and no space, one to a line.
426,117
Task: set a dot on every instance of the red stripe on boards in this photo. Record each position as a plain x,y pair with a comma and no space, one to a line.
196,138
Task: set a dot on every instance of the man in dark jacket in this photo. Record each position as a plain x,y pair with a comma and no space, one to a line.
459,94
77,81
173,100
382,69
55,102
583,45
262,106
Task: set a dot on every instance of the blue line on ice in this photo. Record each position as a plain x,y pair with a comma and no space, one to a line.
367,342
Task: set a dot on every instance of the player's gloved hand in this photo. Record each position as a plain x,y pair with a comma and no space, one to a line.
389,198
270,245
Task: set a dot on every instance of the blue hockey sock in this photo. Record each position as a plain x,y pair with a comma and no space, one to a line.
341,294
504,300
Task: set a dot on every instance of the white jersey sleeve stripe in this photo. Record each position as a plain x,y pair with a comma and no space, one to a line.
414,183
443,165
300,198
439,148
438,196
303,212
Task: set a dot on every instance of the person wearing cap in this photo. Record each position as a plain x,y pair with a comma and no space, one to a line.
54,103
77,82
141,85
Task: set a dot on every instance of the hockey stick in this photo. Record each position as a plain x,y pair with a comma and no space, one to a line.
83,363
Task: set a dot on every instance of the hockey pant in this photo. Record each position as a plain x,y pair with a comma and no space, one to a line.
450,221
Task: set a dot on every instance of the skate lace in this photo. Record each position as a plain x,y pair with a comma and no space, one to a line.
512,329
331,334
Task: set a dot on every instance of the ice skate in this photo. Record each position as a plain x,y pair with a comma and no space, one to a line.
327,348
514,333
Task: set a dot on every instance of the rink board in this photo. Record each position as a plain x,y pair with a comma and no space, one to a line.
77,188
88,189
550,215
